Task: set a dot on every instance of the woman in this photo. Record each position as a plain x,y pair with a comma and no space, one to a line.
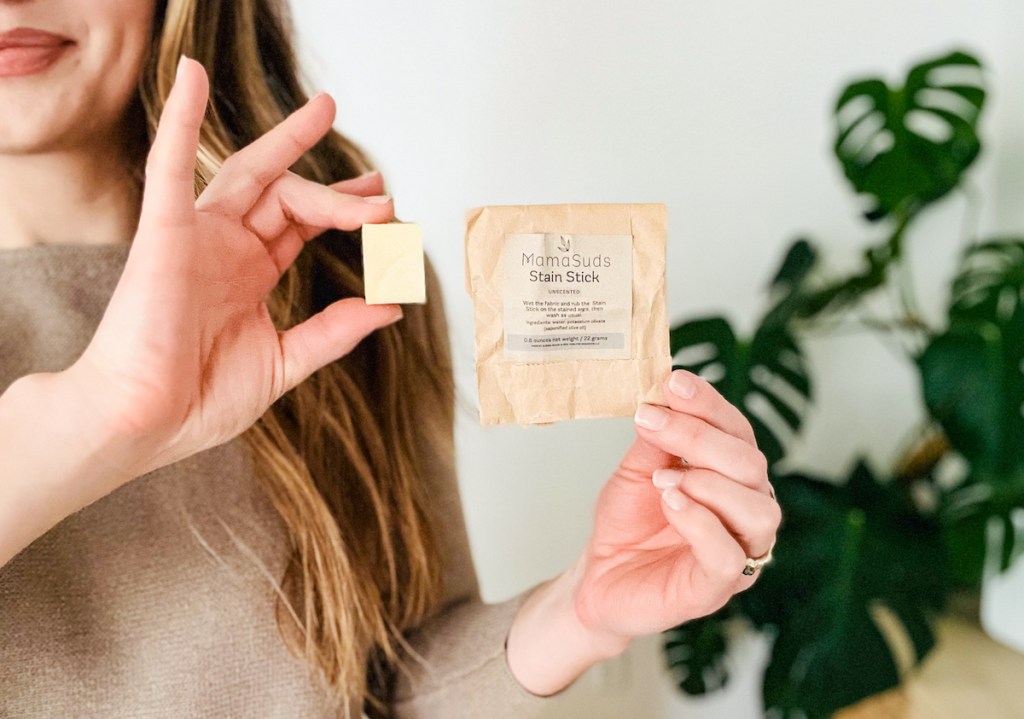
155,565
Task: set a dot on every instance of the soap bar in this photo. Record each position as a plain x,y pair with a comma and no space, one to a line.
393,264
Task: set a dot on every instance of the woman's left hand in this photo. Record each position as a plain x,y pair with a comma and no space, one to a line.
674,528
689,504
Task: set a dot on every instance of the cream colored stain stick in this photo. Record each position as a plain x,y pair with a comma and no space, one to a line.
393,270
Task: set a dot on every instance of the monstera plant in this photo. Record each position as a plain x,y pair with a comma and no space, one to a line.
876,548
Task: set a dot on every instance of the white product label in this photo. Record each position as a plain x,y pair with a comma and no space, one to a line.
567,297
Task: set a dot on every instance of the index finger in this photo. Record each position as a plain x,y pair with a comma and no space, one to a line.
246,174
688,393
366,185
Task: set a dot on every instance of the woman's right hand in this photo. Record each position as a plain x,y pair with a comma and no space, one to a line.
186,356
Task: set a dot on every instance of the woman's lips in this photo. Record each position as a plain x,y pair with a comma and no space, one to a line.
27,51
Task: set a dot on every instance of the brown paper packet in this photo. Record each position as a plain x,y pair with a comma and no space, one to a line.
541,358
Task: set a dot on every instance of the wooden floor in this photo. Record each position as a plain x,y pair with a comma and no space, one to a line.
969,676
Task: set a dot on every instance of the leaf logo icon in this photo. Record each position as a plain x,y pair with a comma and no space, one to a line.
563,243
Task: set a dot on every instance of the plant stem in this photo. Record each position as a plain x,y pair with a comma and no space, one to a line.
972,214
905,279
855,325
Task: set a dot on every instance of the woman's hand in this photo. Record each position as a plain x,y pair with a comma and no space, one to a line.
671,539
186,355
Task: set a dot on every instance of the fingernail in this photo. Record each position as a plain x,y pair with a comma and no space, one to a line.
651,416
665,478
315,97
181,68
370,173
378,199
682,385
673,498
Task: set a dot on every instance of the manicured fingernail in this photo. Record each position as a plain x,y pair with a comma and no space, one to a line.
665,478
682,384
181,68
673,498
651,416
378,199
315,97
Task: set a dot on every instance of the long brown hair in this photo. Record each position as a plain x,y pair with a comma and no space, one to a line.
343,456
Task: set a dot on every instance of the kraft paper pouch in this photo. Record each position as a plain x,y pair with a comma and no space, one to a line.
570,310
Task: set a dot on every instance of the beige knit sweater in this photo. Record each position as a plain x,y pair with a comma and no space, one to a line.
157,600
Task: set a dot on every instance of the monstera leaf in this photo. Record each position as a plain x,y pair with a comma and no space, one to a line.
973,384
907,147
849,567
695,652
761,376
989,282
962,372
796,298
788,288
856,569
767,376
973,374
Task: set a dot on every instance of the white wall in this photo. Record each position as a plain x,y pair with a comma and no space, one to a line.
721,110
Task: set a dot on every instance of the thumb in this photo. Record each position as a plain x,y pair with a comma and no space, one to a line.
330,335
169,198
